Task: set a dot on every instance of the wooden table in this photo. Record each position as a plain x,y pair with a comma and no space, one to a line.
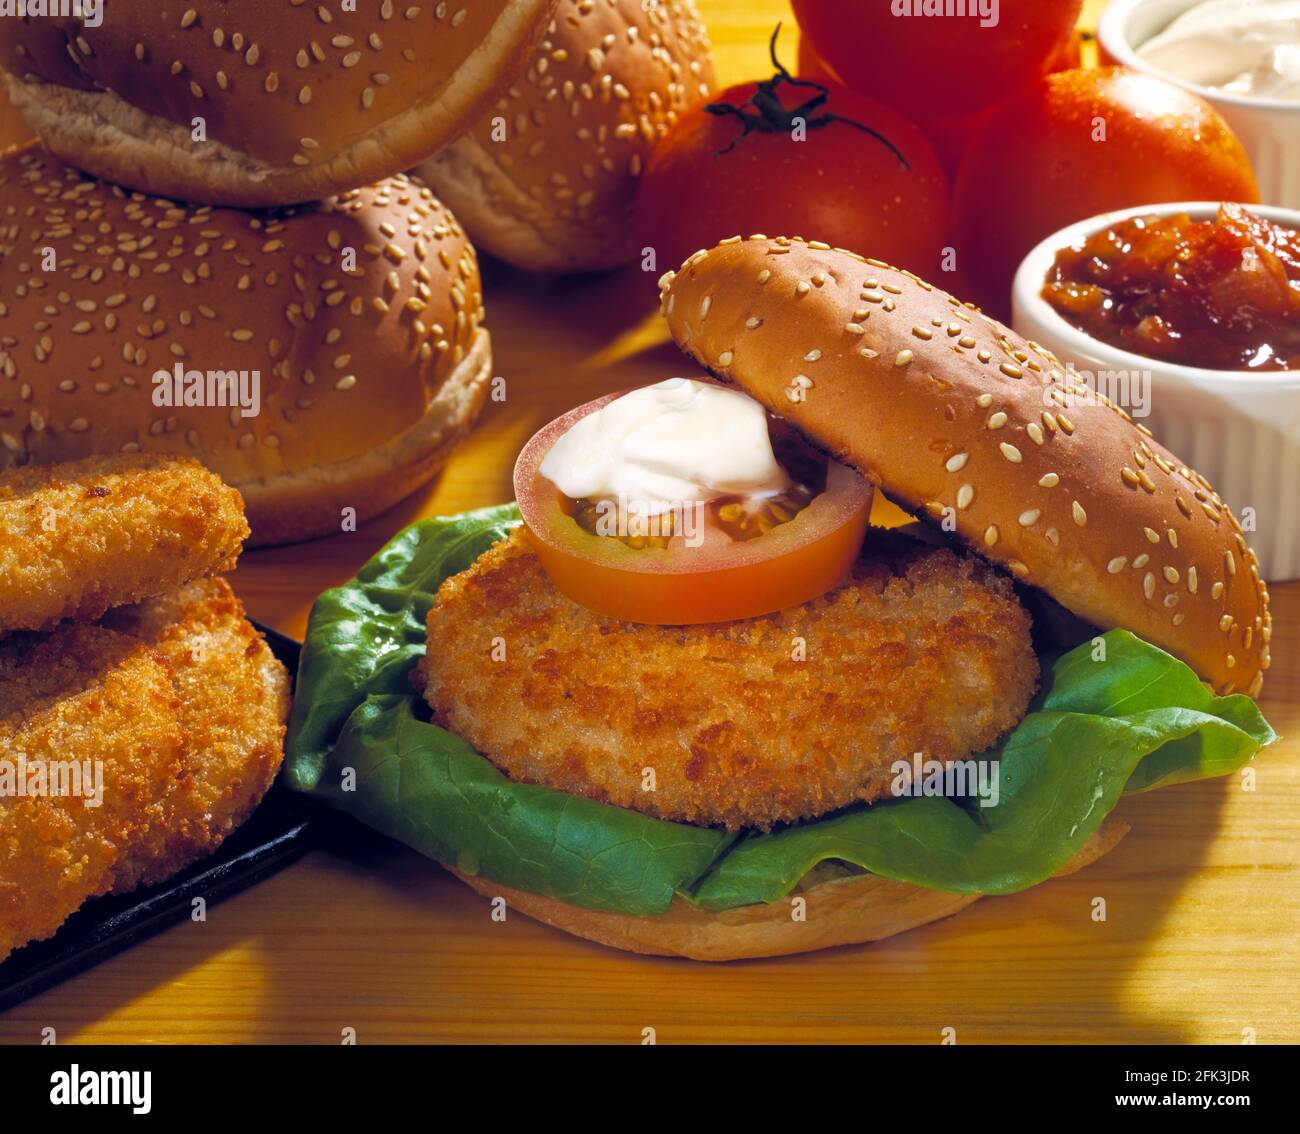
1200,942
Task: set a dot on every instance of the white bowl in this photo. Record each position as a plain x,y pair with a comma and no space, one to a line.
1268,128
1239,429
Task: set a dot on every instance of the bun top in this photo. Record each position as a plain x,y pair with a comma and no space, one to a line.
300,98
960,420
353,313
547,178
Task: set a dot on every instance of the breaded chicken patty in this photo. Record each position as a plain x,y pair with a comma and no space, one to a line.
101,700
79,538
741,724
233,702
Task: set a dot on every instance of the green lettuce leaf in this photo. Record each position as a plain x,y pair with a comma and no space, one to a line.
1117,717
365,636
432,791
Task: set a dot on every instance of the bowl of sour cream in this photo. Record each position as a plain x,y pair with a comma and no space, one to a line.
1241,56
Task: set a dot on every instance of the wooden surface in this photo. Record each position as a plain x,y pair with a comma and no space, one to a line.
1200,940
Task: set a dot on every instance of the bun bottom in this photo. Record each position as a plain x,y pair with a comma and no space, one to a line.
846,911
309,503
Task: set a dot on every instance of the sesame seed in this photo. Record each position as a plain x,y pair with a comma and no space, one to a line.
1171,575
1030,518
1141,561
1216,591
1225,623
1229,563
1152,535
1191,580
922,333
1149,585
724,359
997,420
1049,480
956,462
904,358
1128,476
1035,432
1116,565
1067,426
1011,453
1080,516
1011,371
965,494
984,401
991,535
855,329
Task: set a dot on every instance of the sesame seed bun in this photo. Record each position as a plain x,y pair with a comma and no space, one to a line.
547,177
368,374
842,911
959,420
299,100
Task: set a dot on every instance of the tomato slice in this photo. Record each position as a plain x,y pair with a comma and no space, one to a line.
721,579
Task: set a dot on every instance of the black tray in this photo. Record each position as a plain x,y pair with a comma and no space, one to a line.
285,826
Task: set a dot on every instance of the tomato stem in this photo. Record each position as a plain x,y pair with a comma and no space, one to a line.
769,115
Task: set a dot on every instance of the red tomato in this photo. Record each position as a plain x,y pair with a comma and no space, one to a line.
720,580
926,65
1080,143
714,176
950,134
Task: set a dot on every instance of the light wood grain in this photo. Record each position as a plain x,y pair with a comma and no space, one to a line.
1203,923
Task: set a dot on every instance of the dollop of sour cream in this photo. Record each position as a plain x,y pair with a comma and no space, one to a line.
1249,48
675,443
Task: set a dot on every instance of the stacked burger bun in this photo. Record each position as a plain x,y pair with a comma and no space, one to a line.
262,102
131,684
322,355
361,315
546,178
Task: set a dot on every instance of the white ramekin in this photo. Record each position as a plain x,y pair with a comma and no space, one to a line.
1240,430
1268,128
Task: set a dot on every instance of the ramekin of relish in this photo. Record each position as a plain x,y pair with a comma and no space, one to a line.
1221,294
